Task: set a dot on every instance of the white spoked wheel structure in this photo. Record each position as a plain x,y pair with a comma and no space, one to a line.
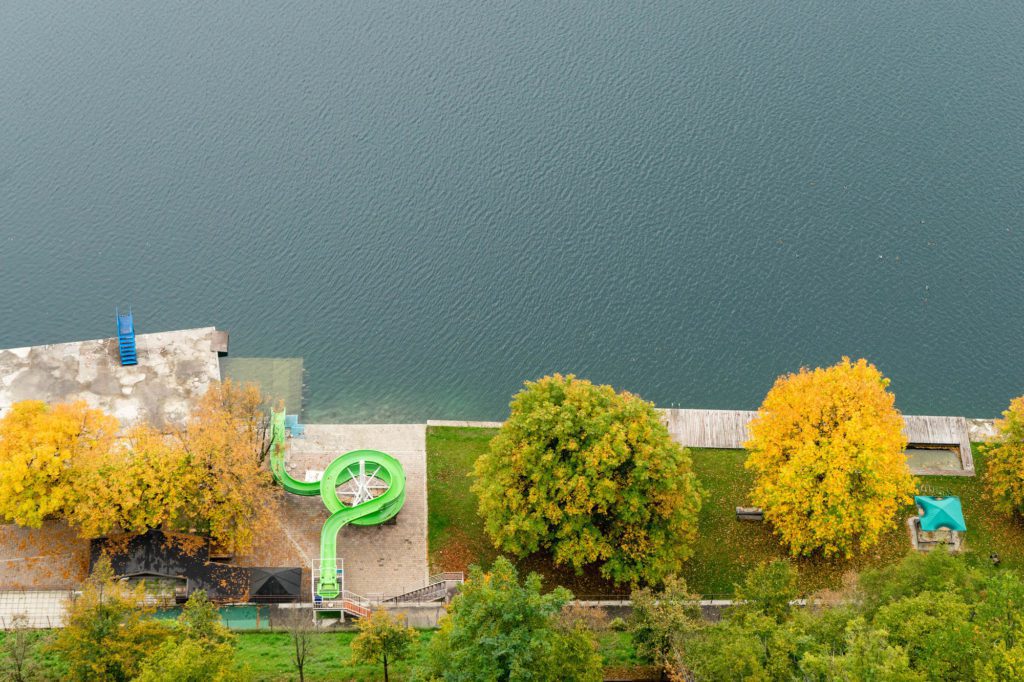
363,486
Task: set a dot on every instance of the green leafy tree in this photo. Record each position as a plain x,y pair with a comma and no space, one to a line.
592,476
201,649
108,633
869,657
383,638
746,646
190,660
499,629
1001,663
999,615
935,630
825,627
917,573
930,617
662,621
18,650
768,589
200,620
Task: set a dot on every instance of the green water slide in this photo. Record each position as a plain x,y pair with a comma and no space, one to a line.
372,482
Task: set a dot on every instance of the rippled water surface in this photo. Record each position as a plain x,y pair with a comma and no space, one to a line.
433,201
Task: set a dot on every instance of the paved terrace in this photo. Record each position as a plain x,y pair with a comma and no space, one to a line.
52,557
175,368
384,560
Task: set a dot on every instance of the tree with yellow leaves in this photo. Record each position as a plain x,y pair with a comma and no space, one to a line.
40,446
132,487
208,476
1004,466
68,461
109,631
223,487
828,452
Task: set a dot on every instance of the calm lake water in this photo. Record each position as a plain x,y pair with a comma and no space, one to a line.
433,201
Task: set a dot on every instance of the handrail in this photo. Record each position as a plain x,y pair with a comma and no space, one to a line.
353,597
457,576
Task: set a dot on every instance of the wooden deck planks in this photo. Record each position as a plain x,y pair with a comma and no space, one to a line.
726,429
729,429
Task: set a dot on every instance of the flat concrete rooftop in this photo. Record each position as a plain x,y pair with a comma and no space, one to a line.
175,369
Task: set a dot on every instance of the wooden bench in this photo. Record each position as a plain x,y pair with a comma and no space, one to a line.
749,514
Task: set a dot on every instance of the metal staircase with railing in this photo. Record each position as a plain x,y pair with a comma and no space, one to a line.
126,338
355,605
439,587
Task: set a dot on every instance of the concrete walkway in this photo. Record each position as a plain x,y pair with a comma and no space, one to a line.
41,608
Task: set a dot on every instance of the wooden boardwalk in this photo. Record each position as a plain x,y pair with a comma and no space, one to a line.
724,429
729,429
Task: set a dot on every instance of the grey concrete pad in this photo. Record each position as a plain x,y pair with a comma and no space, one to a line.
51,557
380,561
175,369
42,608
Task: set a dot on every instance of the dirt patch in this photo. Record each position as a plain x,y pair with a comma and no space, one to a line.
457,552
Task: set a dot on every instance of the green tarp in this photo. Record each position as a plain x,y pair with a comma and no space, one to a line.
940,512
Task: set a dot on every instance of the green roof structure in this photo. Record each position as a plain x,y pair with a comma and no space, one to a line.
940,512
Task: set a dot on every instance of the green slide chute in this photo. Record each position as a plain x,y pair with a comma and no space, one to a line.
365,473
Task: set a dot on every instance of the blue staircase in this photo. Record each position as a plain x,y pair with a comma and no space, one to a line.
126,338
295,429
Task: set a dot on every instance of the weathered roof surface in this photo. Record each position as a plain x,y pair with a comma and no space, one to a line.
940,512
175,368
181,556
729,429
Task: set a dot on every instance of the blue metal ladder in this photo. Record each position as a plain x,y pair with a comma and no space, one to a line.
126,338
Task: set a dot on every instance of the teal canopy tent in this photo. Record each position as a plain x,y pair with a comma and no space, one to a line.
940,512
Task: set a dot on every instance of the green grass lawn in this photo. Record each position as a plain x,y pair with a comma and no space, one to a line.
726,548
455,533
267,656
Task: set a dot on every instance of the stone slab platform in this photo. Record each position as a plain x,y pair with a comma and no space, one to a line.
175,369
380,561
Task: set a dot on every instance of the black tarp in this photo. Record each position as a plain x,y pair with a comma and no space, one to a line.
273,585
158,554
